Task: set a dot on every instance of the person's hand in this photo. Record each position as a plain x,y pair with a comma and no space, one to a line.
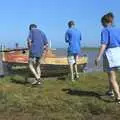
45,52
29,44
97,60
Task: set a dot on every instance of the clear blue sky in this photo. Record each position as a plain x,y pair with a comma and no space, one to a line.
52,17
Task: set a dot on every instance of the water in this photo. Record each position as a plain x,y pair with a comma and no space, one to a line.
91,53
1,69
91,64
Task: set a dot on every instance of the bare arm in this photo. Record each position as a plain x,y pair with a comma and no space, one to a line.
29,40
29,43
46,47
66,37
45,43
101,51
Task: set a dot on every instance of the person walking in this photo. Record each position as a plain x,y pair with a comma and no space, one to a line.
73,38
110,49
37,44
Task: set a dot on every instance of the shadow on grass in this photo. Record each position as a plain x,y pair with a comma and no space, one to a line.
23,82
61,78
88,94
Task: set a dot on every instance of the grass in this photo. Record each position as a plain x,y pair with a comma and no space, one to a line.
57,99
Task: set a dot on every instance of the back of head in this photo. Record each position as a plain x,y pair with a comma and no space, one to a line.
71,23
32,26
110,14
107,19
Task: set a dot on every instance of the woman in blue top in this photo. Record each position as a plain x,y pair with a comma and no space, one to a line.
110,38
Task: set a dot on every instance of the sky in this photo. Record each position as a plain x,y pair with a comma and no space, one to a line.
52,17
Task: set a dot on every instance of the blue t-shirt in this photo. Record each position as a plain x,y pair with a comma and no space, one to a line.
110,36
73,38
38,39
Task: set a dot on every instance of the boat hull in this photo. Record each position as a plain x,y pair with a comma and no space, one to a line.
16,61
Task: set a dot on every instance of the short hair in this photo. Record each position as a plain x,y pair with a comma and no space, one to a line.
32,26
110,14
106,20
71,23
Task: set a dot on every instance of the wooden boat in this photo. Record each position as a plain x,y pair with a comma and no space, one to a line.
50,64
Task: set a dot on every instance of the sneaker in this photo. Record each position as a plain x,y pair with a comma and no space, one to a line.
39,81
118,100
73,80
34,82
77,76
110,93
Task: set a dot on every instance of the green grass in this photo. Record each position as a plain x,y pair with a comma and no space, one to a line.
57,99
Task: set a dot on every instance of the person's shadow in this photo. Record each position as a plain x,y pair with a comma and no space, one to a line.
87,93
22,82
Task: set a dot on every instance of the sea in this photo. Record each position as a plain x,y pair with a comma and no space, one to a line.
91,53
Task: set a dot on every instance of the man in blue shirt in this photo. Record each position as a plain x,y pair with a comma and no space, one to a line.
73,38
37,44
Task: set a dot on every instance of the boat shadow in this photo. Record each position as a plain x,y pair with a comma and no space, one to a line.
82,93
